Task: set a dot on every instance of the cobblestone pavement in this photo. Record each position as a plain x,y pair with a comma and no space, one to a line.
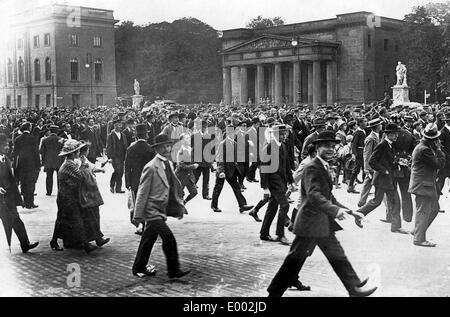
223,251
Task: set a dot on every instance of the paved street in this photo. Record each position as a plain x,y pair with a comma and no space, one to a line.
222,250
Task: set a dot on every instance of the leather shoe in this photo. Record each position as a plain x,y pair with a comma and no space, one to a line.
352,191
254,215
358,292
267,238
55,246
298,285
88,248
215,209
29,246
101,242
425,244
111,189
442,211
179,274
283,241
149,271
31,206
207,198
119,191
358,222
385,220
363,282
401,230
245,208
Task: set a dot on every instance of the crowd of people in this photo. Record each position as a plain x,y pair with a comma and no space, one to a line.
160,153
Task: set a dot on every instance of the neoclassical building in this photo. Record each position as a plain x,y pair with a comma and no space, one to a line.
349,59
59,55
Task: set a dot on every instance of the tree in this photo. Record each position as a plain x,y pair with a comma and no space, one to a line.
261,23
425,49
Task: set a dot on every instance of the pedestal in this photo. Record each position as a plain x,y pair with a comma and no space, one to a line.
400,95
137,99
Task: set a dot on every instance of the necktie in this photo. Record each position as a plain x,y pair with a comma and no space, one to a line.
169,173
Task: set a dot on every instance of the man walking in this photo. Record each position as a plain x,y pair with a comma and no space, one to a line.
357,153
427,158
50,148
158,197
315,225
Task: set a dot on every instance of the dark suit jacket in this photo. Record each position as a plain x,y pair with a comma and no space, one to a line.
382,160
92,136
185,167
49,149
445,142
425,163
8,182
198,145
115,148
26,154
358,143
138,154
403,148
301,130
315,218
129,135
278,179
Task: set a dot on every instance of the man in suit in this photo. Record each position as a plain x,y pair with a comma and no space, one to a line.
116,150
382,162
27,164
319,125
254,148
445,142
403,148
158,197
370,143
199,141
91,134
357,152
149,121
66,131
300,126
10,198
276,174
129,131
427,158
228,169
138,154
315,225
49,149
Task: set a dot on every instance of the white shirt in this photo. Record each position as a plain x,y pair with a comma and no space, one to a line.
389,142
118,134
447,126
324,163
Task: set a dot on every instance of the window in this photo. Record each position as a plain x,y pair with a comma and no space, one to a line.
36,101
97,41
19,44
74,40
47,39
19,101
99,99
48,99
10,71
74,69
48,69
98,69
21,70
36,41
75,100
37,70
369,40
8,101
386,44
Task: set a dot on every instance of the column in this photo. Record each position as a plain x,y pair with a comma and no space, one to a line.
316,83
278,84
226,85
244,85
331,82
289,86
296,81
310,83
259,83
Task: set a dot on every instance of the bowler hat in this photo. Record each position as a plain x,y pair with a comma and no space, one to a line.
141,129
161,139
281,127
117,120
390,128
326,136
431,131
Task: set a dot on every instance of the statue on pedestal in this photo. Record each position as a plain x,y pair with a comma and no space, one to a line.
136,87
401,74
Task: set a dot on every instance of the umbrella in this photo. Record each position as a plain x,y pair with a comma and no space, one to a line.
6,220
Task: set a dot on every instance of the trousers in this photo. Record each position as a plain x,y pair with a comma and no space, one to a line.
233,181
427,210
116,177
278,198
154,229
205,172
49,179
301,248
407,206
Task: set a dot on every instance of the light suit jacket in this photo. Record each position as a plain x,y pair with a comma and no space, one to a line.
370,143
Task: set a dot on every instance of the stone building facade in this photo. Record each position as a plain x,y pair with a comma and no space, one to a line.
348,59
59,55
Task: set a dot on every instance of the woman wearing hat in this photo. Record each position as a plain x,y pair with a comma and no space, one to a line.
69,224
427,159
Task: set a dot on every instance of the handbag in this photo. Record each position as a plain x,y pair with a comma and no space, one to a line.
89,194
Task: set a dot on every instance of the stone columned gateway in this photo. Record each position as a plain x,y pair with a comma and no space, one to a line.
346,59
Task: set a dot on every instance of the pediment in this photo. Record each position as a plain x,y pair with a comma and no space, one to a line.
261,43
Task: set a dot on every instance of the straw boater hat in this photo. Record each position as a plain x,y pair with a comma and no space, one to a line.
374,123
70,146
431,131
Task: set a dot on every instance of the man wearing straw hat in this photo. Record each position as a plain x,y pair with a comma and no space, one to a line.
9,200
427,158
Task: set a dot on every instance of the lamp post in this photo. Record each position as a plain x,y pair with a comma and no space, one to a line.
89,65
295,43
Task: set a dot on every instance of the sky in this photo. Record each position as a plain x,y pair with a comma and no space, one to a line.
229,14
